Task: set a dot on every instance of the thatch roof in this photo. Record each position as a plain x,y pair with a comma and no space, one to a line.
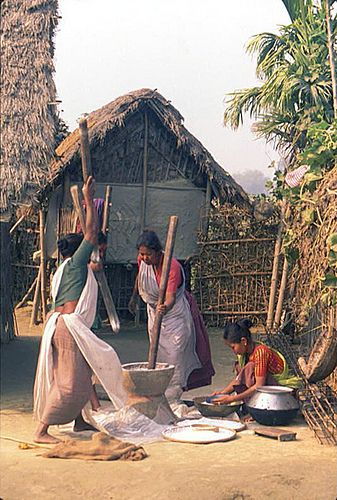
115,114
28,96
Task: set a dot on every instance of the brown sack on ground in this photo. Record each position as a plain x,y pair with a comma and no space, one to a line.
100,447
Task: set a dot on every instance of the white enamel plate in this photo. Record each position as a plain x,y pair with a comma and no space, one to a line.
232,425
199,434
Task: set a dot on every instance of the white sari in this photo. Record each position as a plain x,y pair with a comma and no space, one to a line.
99,355
177,337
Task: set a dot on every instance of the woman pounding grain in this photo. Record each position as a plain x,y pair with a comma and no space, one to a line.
70,353
178,337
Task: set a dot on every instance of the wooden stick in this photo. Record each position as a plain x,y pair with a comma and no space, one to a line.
43,266
106,209
100,276
208,200
281,294
25,297
75,194
85,149
155,334
36,300
243,240
108,300
143,199
144,185
234,313
273,284
18,222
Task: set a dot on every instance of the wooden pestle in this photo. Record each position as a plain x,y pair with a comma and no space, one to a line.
155,334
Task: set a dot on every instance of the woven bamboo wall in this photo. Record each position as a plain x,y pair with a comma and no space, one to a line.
231,275
24,242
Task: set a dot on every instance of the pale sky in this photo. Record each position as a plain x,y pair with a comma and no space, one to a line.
191,51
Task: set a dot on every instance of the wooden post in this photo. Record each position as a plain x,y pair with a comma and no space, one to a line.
26,295
143,199
106,209
18,222
43,266
85,149
100,276
155,334
36,300
208,200
144,185
75,194
273,284
283,284
330,43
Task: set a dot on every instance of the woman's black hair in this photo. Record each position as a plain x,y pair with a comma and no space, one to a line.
69,244
234,332
150,240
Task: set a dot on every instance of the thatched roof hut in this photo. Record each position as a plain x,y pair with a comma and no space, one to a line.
28,97
28,119
105,123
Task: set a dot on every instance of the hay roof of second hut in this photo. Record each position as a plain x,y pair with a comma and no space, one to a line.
28,96
114,114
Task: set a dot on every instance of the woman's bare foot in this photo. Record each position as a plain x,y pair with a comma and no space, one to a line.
41,435
45,438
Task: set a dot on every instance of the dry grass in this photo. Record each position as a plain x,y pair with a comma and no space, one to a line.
28,96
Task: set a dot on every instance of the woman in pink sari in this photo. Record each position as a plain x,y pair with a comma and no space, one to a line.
183,339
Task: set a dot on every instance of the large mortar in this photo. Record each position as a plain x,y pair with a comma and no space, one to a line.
146,390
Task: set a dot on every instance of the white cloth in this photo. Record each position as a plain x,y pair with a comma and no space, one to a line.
177,336
100,356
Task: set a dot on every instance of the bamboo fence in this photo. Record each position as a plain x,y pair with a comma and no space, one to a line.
232,273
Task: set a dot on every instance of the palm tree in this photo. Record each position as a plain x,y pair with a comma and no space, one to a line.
296,87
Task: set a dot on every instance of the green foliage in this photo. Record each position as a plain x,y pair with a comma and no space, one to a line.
296,89
293,109
321,147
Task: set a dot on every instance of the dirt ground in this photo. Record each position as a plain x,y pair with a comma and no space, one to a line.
249,467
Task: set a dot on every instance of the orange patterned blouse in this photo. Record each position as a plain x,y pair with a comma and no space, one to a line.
266,360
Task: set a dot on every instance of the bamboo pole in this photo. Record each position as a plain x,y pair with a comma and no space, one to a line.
85,149
273,284
331,56
25,297
17,223
283,284
75,194
242,240
43,266
155,334
208,199
100,276
36,300
144,193
105,221
145,168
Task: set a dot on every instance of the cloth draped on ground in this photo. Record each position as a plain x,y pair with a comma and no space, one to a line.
100,447
177,342
201,376
98,355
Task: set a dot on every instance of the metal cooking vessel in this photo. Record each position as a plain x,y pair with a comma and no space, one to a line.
273,405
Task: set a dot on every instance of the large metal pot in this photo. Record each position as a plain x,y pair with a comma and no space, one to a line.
273,405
